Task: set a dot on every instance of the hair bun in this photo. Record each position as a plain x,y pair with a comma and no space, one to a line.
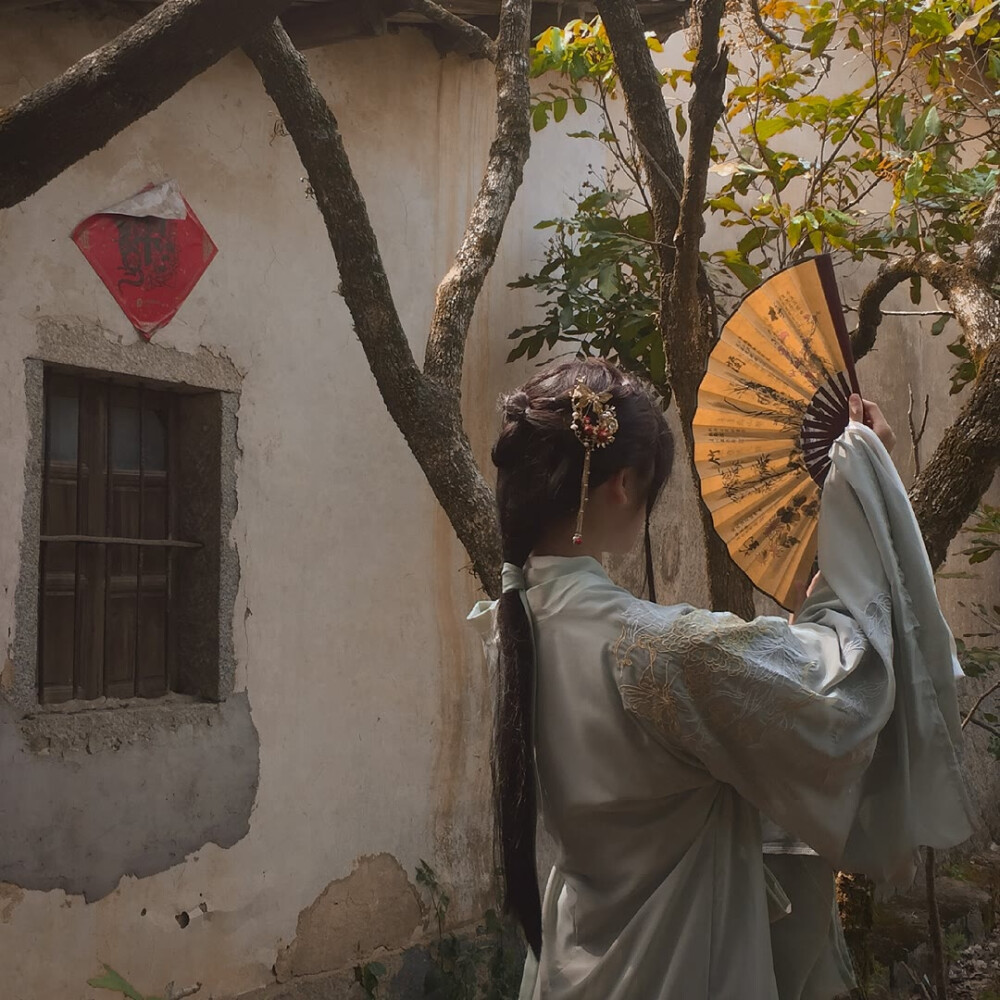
516,406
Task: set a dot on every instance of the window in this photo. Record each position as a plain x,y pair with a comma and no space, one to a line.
126,583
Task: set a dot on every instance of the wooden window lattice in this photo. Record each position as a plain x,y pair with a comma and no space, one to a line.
107,545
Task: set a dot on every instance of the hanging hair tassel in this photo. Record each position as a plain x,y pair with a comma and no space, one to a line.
595,424
584,496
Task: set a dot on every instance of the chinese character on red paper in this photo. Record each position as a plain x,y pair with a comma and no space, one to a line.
149,251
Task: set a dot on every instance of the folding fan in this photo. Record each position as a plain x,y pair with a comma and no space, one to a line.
773,401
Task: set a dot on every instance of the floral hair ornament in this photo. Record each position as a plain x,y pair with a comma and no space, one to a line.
595,424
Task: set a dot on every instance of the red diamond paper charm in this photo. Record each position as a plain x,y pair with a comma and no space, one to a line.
149,251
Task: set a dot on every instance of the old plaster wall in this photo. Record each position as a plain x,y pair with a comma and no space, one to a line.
353,743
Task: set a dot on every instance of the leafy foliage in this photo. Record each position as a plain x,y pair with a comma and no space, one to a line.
367,977
983,656
487,967
873,129
599,284
986,535
112,980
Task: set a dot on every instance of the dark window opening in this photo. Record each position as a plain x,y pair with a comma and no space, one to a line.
114,558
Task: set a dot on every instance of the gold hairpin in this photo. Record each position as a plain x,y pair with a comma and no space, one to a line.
595,424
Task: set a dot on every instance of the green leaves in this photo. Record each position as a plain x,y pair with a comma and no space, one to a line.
768,128
580,52
599,285
681,121
748,275
367,977
928,124
965,370
819,36
986,535
113,981
859,146
726,203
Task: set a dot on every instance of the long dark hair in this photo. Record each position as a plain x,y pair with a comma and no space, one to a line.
539,464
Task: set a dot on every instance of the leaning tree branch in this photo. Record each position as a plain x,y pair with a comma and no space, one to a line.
992,730
972,301
427,413
951,485
962,467
459,291
466,37
316,133
688,323
972,711
51,128
983,257
758,19
686,318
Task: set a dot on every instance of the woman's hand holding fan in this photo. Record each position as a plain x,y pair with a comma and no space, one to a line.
774,399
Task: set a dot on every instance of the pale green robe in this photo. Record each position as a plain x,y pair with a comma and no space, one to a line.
663,732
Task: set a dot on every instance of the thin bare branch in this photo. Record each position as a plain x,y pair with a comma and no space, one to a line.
971,299
983,725
467,38
917,312
51,128
817,178
652,161
934,932
972,711
758,19
459,291
427,413
916,433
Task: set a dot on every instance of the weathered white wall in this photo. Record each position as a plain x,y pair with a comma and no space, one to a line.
365,686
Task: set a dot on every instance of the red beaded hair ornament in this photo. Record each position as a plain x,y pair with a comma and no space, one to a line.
595,424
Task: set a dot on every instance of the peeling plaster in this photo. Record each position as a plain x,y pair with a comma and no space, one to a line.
10,896
375,907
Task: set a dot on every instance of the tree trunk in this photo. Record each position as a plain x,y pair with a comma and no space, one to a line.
963,465
459,291
677,194
51,128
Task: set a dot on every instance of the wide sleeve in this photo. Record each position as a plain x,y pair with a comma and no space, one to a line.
842,728
789,715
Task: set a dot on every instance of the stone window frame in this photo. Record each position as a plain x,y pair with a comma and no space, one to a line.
214,382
